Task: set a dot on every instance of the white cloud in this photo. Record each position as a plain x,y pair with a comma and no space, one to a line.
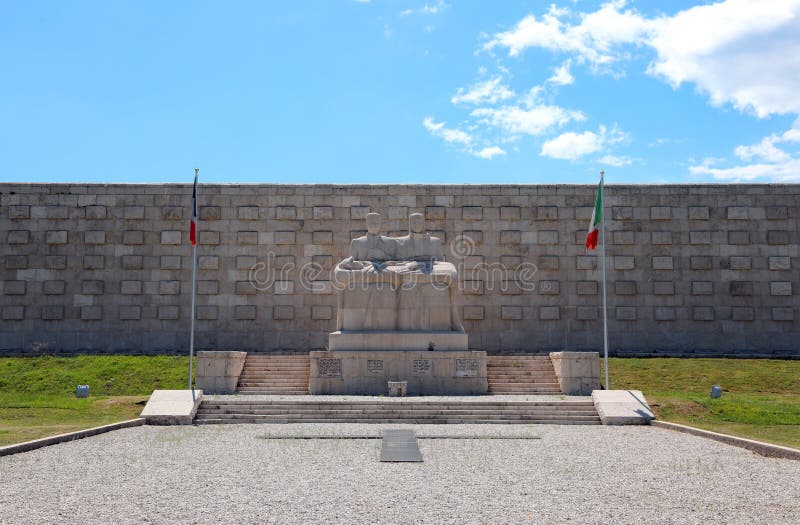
532,121
489,91
572,146
562,76
449,135
613,160
427,9
490,152
764,150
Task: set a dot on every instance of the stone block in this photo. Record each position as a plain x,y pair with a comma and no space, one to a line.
207,287
622,213
777,212
133,237
547,237
473,313
56,237
664,313
94,237
286,262
625,287
207,313
698,213
510,213
286,213
578,373
700,237
661,238
663,288
662,262
172,407
14,287
778,237
133,213
208,262
131,287
208,238
741,288
321,312
52,313
547,213
321,287
284,237
13,313
210,213
434,213
512,313
19,212
323,237
742,313
738,237
170,262
283,287
359,212
701,262
660,213
780,288
585,262
246,262
474,236
18,237
169,312
622,237
783,313
283,312
321,213
171,237
473,287
702,288
546,262
624,262
586,313
586,287
245,288
549,313
172,213
93,262
740,263
218,372
703,313
55,262
169,287
398,212
738,213
54,287
510,237
247,238
472,213
626,313
94,287
549,288
622,407
95,212
248,213
244,312
91,313
16,262
780,263
57,212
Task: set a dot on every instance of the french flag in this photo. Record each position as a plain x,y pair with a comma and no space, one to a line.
193,227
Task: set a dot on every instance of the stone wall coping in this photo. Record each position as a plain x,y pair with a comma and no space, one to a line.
69,436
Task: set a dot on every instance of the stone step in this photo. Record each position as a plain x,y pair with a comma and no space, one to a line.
315,403
448,421
372,417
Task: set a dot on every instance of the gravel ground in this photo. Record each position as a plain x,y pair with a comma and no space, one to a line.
231,474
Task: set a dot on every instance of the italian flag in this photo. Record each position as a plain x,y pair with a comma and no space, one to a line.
193,225
597,218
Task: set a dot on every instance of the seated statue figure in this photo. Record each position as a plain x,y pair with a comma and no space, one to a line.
400,283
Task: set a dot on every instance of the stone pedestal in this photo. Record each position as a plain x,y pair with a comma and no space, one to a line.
395,340
218,372
454,372
578,373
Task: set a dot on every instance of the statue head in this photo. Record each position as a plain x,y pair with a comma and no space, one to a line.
374,223
416,223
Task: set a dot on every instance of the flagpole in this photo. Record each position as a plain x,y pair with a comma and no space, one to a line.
194,271
603,240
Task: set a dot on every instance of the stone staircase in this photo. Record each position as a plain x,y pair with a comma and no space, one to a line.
234,409
521,375
274,375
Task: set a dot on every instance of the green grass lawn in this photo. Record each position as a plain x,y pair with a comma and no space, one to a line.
760,400
37,394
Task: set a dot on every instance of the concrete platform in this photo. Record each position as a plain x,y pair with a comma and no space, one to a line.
622,407
172,407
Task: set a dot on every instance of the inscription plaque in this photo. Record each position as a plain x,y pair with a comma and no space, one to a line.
375,365
466,367
330,367
422,366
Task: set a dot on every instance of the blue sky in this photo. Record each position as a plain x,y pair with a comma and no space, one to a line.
380,91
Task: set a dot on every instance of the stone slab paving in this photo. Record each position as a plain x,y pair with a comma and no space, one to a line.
406,399
224,474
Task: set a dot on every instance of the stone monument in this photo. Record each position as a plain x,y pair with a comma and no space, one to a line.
397,320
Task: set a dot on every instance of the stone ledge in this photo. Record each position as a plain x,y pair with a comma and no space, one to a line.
622,407
759,447
69,436
172,407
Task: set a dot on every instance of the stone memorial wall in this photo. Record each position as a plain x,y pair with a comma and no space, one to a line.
692,270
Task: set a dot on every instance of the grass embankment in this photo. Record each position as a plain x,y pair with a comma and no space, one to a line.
760,400
37,395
